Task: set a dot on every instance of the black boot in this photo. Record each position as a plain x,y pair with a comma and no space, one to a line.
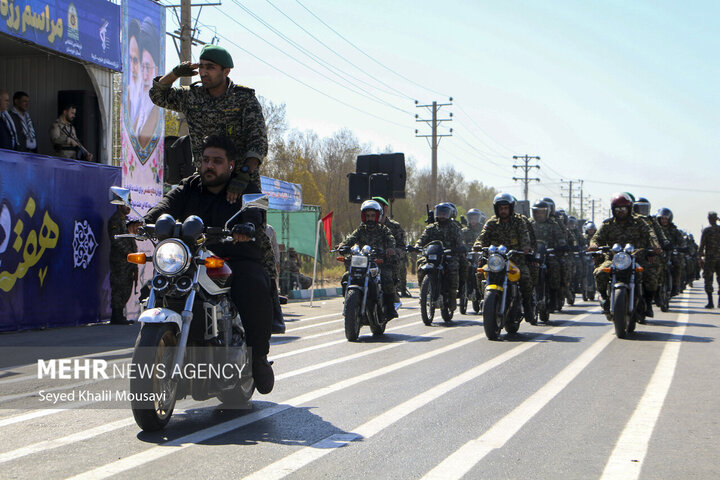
389,300
263,374
710,301
648,305
117,317
528,310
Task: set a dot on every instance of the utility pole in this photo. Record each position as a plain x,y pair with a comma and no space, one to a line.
569,196
581,199
434,121
526,168
593,210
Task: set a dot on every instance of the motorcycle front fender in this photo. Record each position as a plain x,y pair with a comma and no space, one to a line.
499,288
161,315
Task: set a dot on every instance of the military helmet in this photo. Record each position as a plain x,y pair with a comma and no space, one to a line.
562,216
453,210
589,226
540,206
572,221
551,204
642,206
630,196
371,205
442,212
504,199
665,212
477,215
620,200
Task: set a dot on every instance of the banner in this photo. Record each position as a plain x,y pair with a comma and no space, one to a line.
142,128
282,195
85,29
54,246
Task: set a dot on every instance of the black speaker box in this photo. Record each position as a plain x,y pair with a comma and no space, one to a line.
358,187
87,118
392,164
380,185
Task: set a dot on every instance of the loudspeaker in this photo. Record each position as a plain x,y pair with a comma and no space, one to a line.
87,119
178,159
358,187
380,185
392,164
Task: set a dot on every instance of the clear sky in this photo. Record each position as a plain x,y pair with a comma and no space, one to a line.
622,94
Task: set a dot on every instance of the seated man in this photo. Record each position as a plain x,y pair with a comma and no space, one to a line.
372,232
205,194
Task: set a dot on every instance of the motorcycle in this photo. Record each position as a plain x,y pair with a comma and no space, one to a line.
434,291
469,291
363,292
544,296
503,301
589,280
665,289
189,322
627,305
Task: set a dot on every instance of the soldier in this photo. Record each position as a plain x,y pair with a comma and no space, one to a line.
476,222
709,253
504,228
623,228
372,232
673,235
293,265
122,273
445,231
400,270
655,270
461,259
548,232
567,260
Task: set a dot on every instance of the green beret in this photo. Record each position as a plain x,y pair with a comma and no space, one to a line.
381,200
217,54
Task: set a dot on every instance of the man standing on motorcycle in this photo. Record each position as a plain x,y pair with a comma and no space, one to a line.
549,233
709,252
673,235
504,228
204,194
445,231
400,269
372,232
623,228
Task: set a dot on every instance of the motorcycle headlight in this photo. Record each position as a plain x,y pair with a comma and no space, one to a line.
502,250
359,261
172,257
355,250
629,248
366,250
495,263
621,261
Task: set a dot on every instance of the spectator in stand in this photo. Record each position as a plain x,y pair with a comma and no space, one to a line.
8,136
27,140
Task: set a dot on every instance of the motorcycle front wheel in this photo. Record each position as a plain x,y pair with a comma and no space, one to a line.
153,397
352,315
492,321
377,324
463,299
427,307
620,314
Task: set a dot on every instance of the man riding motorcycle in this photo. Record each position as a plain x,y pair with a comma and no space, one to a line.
549,233
372,232
673,235
476,220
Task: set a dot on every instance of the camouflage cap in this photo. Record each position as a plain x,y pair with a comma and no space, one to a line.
217,54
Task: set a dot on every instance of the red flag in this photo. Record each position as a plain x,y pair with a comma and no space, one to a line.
327,226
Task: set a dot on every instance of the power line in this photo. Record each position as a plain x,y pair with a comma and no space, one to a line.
678,189
368,56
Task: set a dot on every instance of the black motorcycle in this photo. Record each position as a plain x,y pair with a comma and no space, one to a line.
469,291
545,298
363,292
434,289
189,321
666,287
589,279
503,300
627,305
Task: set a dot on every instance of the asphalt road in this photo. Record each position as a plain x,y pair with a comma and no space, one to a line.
566,400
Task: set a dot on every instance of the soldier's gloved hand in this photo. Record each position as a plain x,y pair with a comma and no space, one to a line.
186,69
243,232
238,182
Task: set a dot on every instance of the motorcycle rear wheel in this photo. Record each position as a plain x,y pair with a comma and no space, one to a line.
352,315
427,308
154,346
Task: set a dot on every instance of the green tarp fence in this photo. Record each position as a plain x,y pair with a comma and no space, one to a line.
297,229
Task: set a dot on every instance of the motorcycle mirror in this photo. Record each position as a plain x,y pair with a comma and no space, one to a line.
256,200
121,196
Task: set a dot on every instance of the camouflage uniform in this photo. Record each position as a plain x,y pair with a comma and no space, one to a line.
451,238
634,231
549,233
568,260
122,272
710,250
400,266
236,114
379,237
461,259
514,235
654,270
470,234
533,267
677,241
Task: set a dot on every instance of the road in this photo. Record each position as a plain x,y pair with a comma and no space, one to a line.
566,400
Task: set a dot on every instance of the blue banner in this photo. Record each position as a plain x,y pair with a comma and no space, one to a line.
54,245
282,195
86,29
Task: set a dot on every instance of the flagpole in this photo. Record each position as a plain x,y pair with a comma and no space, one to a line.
317,242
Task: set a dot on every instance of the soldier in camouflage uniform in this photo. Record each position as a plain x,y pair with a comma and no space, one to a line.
655,270
476,222
461,259
690,259
400,267
623,228
567,260
505,228
122,273
673,235
709,252
379,237
445,231
549,233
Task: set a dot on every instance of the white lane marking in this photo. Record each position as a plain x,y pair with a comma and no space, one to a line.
626,459
293,462
190,440
466,457
34,414
287,332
